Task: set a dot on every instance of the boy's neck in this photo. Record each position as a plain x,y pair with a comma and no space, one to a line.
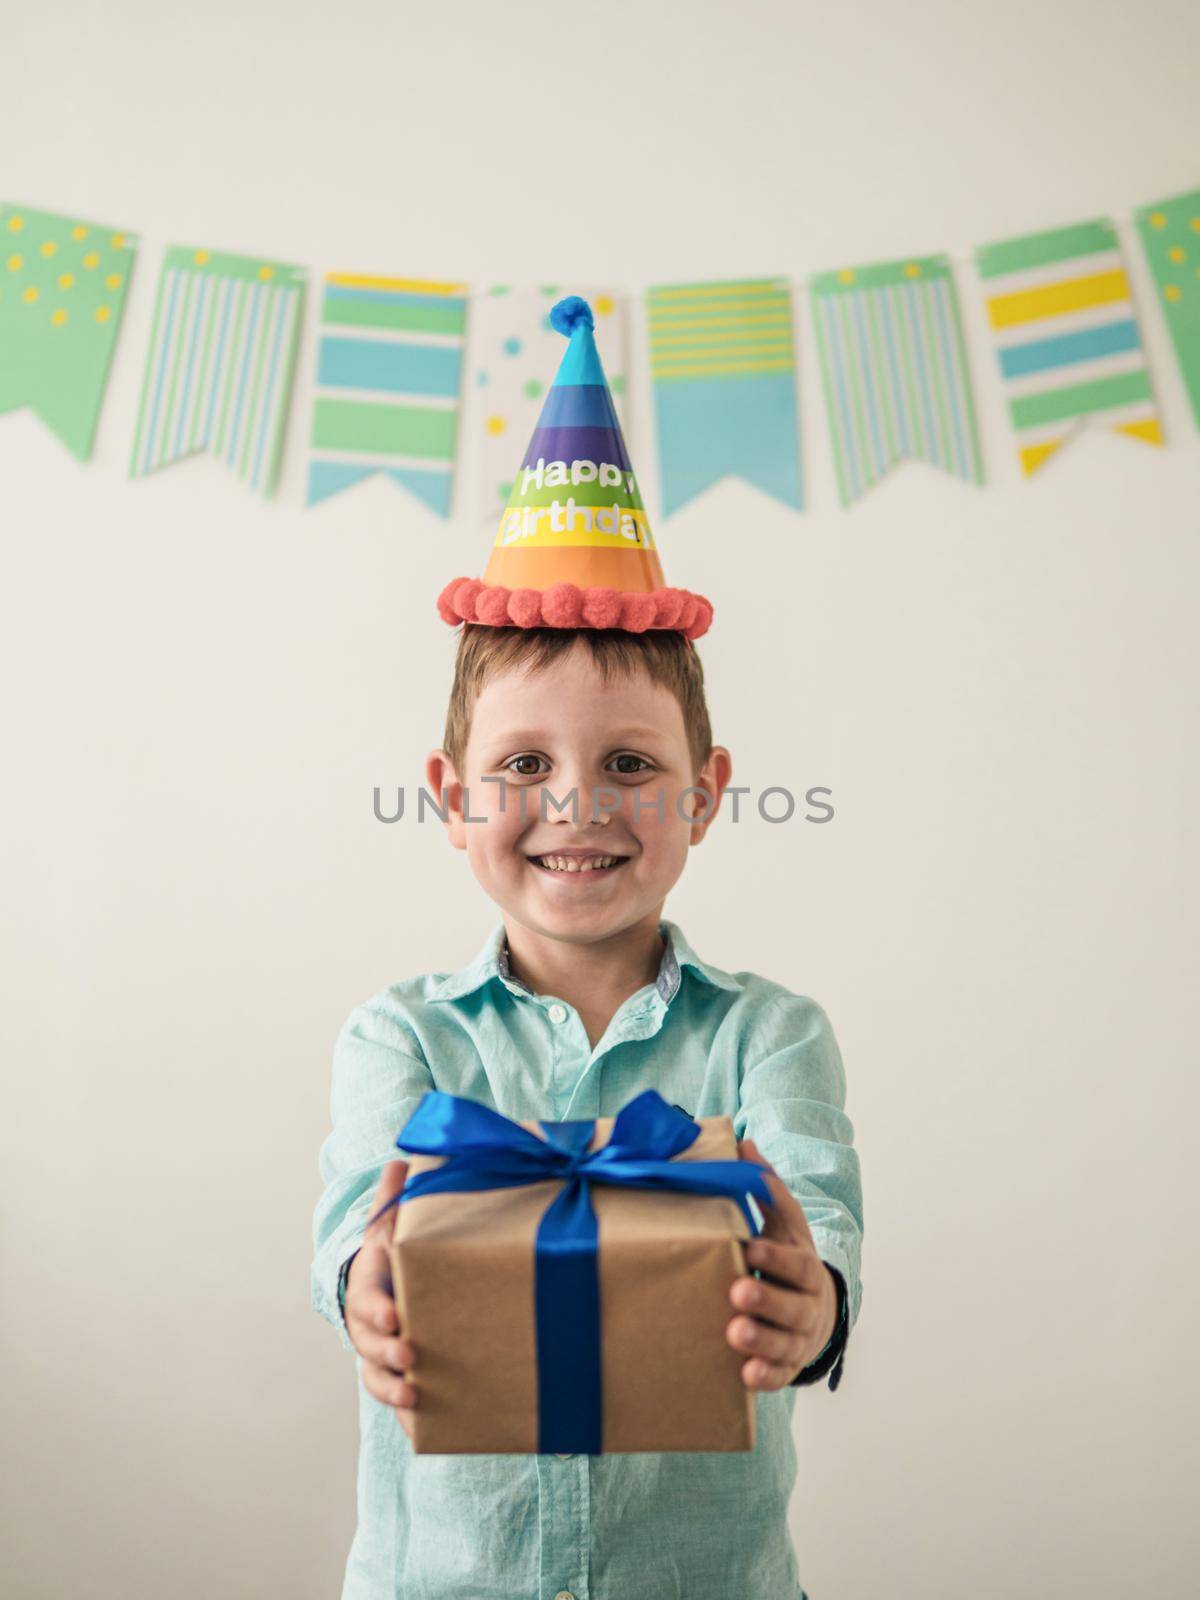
595,977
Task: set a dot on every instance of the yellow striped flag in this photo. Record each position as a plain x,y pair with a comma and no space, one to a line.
1066,333
724,373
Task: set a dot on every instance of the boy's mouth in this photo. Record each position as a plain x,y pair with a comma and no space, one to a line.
592,866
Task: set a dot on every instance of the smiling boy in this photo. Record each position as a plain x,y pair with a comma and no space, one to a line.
579,770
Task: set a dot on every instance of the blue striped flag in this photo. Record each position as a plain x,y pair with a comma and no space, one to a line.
219,370
894,369
723,367
389,376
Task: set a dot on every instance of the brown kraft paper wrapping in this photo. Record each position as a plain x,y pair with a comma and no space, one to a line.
463,1275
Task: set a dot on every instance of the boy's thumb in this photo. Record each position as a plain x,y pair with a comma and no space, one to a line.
391,1182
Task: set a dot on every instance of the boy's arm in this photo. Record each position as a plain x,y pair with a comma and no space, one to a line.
791,1103
379,1075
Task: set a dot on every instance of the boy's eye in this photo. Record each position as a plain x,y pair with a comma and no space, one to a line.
514,766
524,772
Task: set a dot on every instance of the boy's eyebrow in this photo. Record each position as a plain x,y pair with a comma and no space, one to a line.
525,735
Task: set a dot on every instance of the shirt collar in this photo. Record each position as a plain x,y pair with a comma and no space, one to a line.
492,962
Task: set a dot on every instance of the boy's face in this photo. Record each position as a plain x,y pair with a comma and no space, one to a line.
617,752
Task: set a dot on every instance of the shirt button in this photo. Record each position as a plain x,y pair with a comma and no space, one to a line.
557,1013
564,1455
564,1594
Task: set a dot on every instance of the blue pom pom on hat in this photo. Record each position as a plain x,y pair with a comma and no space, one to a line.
566,316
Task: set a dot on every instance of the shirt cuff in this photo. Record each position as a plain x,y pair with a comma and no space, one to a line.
343,1274
831,1358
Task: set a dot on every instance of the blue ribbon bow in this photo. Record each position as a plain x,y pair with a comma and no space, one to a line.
485,1150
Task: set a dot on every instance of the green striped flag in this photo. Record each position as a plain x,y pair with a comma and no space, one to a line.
894,370
62,292
389,373
1067,340
219,371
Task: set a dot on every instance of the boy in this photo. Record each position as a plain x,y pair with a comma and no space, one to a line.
584,749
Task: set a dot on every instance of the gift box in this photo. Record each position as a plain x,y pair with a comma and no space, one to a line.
566,1284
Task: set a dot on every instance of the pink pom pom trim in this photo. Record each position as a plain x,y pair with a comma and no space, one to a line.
524,608
565,605
638,612
491,606
447,610
562,605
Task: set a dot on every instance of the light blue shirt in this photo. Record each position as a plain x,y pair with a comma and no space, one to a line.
706,1525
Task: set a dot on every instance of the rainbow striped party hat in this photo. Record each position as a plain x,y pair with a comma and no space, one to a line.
574,548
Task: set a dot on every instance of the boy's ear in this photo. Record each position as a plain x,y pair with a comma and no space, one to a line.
442,782
712,779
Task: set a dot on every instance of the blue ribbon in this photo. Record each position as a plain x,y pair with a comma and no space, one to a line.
485,1150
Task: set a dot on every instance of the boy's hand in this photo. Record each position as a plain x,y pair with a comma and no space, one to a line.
371,1319
790,1312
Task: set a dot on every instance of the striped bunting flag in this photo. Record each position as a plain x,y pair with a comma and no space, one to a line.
389,373
1170,231
894,371
1067,338
219,371
723,367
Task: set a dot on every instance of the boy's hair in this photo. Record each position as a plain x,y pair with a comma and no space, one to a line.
664,654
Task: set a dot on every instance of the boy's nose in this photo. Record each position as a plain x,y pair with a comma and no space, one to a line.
594,802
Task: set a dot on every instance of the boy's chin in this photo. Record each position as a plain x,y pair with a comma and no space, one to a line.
570,903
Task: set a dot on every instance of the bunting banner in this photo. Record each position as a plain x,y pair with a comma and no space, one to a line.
219,371
1170,232
722,362
390,363
1067,339
513,347
62,291
388,381
894,371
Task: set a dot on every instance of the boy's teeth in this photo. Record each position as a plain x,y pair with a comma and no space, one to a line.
574,864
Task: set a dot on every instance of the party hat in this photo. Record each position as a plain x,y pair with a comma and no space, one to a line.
574,548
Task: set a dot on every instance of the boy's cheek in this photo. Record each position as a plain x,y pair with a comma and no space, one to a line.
679,805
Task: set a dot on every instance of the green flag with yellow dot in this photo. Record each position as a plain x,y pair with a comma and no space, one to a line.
1170,231
62,290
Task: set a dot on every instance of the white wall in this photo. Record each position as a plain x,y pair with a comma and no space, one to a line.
999,685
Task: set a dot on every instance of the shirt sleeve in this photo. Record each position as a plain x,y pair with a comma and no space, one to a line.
830,1359
792,1101
379,1076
